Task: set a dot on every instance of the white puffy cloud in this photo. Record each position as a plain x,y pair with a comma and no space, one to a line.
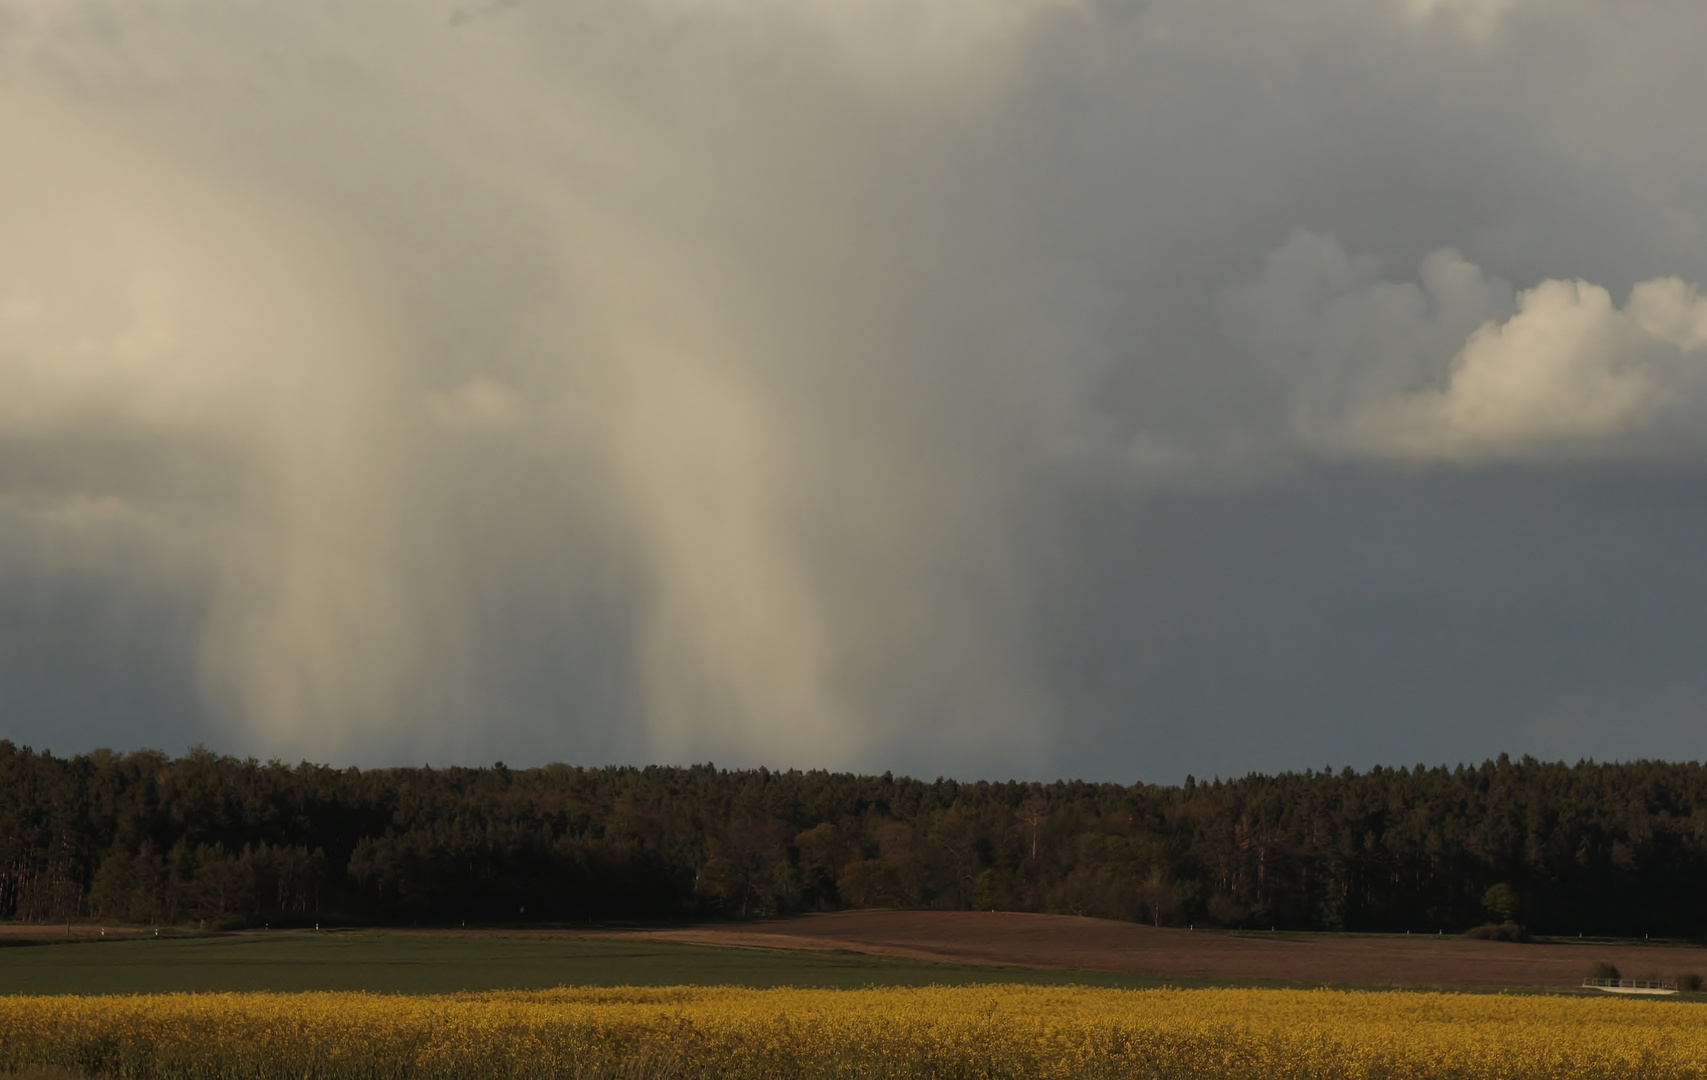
1568,372
1453,368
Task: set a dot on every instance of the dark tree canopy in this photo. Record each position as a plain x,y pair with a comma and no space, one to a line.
142,837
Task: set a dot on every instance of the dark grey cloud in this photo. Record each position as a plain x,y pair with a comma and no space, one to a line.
1342,618
988,389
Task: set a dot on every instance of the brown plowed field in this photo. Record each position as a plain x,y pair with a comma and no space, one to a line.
1062,941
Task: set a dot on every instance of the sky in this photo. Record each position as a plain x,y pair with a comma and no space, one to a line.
982,388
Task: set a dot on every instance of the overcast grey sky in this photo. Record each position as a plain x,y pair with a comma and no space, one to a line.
968,387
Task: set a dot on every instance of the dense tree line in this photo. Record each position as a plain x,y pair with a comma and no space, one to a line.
142,837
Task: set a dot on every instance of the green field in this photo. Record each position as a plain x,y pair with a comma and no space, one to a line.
421,964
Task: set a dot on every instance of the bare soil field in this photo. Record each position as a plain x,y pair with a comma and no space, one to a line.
1062,941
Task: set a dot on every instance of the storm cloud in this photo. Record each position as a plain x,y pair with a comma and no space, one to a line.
1012,388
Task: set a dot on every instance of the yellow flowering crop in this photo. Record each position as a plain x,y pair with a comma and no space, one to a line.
961,1033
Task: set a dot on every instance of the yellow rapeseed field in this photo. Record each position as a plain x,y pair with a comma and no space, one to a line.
956,1033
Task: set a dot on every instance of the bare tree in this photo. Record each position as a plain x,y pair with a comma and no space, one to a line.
1034,812
1160,893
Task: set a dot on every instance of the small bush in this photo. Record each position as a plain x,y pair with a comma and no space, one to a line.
1507,931
1227,911
1600,969
1689,983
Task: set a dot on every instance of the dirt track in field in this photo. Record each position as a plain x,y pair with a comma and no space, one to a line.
79,931
1062,941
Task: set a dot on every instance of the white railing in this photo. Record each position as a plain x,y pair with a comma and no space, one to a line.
1652,986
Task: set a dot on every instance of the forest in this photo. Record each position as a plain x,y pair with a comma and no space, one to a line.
216,841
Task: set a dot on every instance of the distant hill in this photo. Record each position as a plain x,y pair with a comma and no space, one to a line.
1588,848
